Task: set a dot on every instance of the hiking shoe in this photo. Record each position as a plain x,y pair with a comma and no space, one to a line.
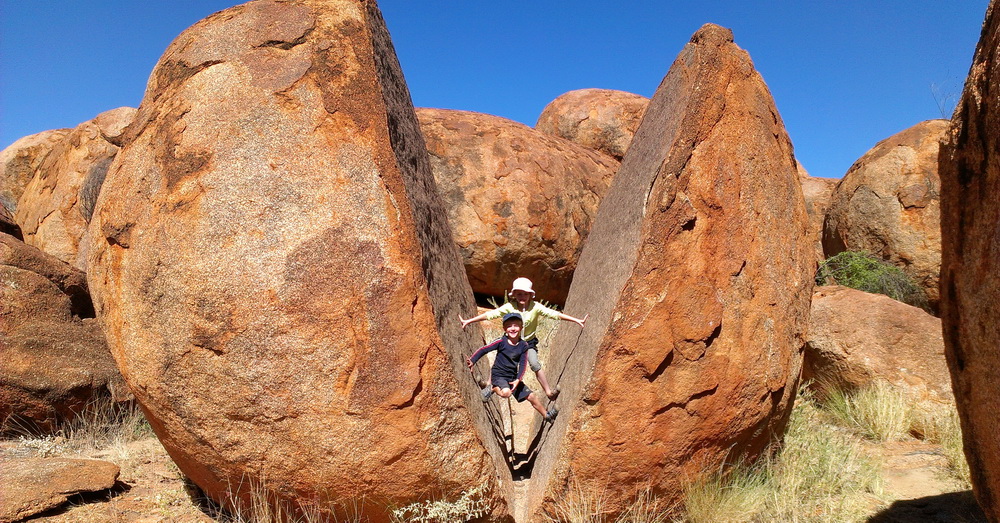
487,392
550,415
555,394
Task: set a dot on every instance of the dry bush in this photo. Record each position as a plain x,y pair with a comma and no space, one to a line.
939,424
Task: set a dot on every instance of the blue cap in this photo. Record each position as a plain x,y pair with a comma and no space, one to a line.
512,316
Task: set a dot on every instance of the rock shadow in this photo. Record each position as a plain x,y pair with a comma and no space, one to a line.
953,507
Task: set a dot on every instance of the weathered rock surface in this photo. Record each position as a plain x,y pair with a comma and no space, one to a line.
20,160
55,360
56,204
888,204
7,223
818,193
604,120
276,275
520,202
697,276
856,338
34,485
970,288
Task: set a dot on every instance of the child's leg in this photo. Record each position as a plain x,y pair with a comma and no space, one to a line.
535,402
536,366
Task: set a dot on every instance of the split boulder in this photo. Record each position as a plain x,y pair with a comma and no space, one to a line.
276,275
888,204
970,287
604,120
520,201
697,276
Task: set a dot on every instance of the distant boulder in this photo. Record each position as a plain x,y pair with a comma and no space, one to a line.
600,119
20,160
817,193
55,207
856,338
520,202
55,360
888,204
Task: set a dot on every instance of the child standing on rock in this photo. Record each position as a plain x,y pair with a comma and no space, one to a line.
525,305
510,364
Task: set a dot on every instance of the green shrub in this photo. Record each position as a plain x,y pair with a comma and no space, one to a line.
863,271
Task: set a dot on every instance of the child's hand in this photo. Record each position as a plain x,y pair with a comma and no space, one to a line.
464,321
468,362
513,384
583,321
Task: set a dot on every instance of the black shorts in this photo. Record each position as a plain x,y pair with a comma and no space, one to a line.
521,392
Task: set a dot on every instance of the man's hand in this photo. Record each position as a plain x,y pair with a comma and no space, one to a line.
513,384
468,362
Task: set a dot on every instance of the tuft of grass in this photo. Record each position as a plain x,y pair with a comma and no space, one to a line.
863,271
102,424
939,424
819,474
879,412
470,505
581,505
737,494
647,508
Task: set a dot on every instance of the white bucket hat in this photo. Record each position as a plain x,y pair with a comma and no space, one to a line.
522,284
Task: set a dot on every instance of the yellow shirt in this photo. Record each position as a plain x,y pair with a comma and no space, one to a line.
530,316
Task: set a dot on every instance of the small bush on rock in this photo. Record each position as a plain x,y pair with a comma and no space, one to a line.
864,272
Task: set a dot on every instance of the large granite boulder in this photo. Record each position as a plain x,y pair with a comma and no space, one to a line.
970,251
888,204
276,275
604,120
34,485
55,360
520,202
697,276
856,338
20,160
56,204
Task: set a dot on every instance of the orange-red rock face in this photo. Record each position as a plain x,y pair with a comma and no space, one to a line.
520,201
51,212
817,193
55,360
856,338
600,119
888,204
970,286
20,160
275,271
697,276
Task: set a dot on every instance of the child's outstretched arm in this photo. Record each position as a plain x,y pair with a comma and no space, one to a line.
579,321
471,360
474,319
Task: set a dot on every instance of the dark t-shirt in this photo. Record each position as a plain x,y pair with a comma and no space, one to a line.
511,360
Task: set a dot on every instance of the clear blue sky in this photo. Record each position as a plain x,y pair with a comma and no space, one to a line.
844,74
